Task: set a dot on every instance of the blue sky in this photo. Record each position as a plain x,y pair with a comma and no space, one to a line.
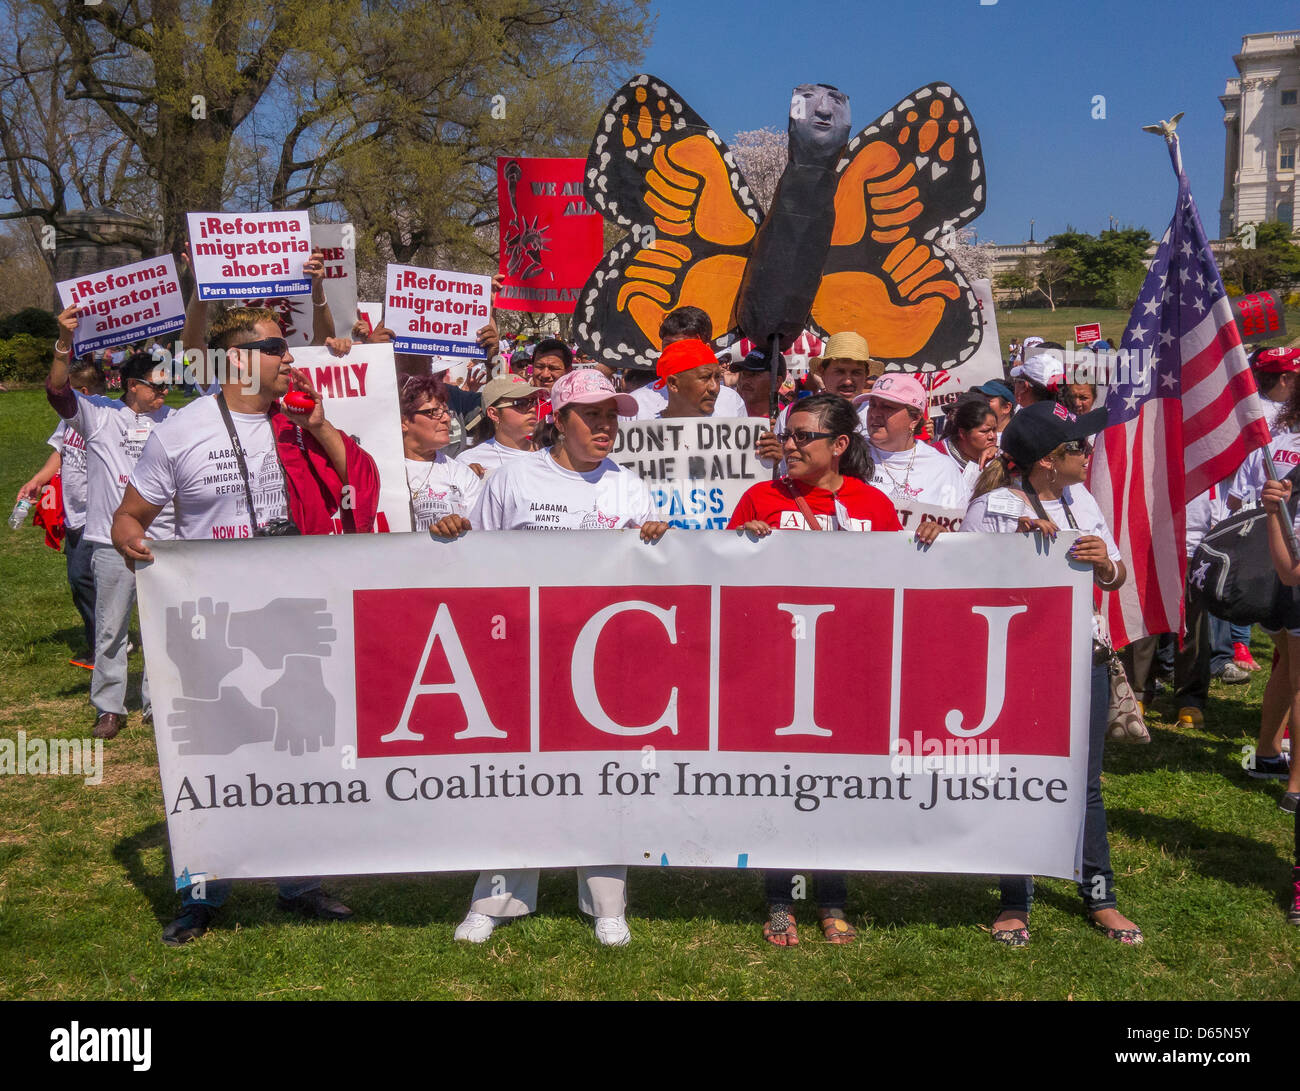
1028,70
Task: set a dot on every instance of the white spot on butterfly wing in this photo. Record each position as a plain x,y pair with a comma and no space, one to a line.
921,161
887,119
979,193
970,143
937,171
975,170
924,92
957,102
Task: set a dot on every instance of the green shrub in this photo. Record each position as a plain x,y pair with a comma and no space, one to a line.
24,358
33,320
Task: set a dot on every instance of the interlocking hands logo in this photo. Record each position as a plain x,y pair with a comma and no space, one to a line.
207,642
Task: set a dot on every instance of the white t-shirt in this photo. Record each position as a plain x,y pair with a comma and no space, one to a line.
191,459
1272,410
1252,475
651,403
492,455
115,440
1202,513
921,475
539,494
999,511
72,450
441,487
969,469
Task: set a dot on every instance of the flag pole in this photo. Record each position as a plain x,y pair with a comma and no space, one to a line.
1167,129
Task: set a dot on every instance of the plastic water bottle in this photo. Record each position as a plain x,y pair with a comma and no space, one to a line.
19,514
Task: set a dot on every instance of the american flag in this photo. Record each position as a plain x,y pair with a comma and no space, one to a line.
1181,418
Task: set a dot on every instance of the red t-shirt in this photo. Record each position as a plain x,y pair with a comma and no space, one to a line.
860,507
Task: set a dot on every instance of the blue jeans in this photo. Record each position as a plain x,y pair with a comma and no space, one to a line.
1097,886
81,578
217,891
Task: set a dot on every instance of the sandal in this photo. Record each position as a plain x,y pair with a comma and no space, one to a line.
780,929
1132,937
835,929
1010,937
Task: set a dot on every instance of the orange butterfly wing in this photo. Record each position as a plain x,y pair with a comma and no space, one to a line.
906,181
656,168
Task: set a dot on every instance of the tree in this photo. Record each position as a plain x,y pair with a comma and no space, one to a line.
761,155
1101,267
1273,263
1053,270
388,111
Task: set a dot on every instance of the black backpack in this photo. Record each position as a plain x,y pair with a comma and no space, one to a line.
1231,573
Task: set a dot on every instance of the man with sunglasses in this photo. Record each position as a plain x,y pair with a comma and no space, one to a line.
510,405
243,463
115,431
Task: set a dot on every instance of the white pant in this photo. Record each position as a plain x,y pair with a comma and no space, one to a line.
602,891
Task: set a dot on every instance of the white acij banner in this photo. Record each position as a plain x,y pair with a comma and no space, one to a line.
697,468
360,392
393,703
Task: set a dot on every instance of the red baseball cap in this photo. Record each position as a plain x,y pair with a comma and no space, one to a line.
1278,359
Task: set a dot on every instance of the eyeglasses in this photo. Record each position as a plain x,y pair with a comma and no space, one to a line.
158,388
272,346
434,412
802,437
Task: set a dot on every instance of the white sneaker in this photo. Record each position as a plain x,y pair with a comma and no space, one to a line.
613,931
476,927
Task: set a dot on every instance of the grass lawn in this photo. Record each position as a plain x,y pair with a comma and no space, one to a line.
1201,853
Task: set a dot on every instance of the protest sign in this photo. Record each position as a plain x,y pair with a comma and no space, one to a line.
550,240
946,386
125,304
394,703
911,515
361,399
295,313
1260,316
238,255
1087,333
697,468
436,311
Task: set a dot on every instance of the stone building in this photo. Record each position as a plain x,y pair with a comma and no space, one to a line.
1261,118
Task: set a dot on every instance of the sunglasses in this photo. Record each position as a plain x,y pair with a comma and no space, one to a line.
1077,447
436,412
802,437
519,405
272,346
158,388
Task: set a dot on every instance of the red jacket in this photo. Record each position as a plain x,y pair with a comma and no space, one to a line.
315,490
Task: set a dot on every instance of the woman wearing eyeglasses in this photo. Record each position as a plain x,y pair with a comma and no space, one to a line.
572,486
439,486
1046,446
825,488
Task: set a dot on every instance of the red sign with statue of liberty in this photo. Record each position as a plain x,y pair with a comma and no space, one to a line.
550,238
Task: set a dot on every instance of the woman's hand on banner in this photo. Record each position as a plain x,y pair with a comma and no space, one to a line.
756,528
450,527
1026,525
928,531
653,531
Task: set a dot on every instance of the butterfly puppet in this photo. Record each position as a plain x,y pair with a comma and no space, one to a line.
852,241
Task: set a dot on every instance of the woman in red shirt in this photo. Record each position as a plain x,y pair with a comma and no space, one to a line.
825,489
828,465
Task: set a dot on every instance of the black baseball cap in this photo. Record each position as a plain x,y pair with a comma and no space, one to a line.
758,361
1039,429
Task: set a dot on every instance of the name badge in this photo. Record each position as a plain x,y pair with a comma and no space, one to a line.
1006,505
138,434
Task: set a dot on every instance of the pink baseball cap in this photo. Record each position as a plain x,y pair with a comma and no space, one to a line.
897,388
586,386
